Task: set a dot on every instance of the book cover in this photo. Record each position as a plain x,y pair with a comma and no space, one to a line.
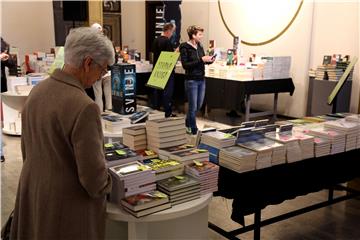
145,200
175,149
123,88
160,166
177,182
202,168
190,154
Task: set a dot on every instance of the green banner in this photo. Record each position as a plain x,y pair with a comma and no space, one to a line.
163,69
343,78
58,62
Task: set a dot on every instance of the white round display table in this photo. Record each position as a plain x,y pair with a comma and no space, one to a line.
184,221
12,107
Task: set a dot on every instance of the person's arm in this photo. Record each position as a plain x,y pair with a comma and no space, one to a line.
186,63
87,141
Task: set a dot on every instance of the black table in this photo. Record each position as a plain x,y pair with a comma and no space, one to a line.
254,190
229,94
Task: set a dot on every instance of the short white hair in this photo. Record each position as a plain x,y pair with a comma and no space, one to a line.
85,42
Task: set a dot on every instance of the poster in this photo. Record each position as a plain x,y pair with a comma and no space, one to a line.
163,69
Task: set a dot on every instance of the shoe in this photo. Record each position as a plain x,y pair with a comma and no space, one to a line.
171,115
232,113
2,159
188,130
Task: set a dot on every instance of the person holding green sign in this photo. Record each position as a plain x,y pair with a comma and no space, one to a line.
163,43
193,60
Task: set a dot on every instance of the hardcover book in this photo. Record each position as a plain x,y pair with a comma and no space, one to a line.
145,200
177,182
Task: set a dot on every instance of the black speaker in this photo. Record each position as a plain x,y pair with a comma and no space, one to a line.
75,10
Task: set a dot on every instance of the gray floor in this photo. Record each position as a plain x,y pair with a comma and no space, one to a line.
340,221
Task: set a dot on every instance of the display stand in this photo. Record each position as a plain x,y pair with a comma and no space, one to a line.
12,107
184,221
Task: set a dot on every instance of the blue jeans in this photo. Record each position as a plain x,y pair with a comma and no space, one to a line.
195,90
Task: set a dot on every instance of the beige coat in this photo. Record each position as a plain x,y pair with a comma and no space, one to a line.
64,181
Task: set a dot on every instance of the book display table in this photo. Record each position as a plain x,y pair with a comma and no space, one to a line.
255,190
184,221
231,92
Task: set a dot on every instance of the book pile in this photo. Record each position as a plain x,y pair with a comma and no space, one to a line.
350,129
306,144
278,151
143,204
213,152
115,123
190,155
206,173
328,72
293,149
155,114
131,179
218,139
180,189
322,147
355,118
167,132
116,153
164,168
164,153
336,138
135,137
237,159
264,153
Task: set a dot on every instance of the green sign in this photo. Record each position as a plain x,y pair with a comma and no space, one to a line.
163,69
58,62
338,86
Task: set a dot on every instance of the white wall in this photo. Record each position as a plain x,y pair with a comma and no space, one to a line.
336,30
28,25
133,28
195,13
295,42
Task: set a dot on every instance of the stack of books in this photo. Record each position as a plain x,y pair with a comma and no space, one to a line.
355,118
167,132
350,129
264,153
130,179
278,151
206,173
218,139
155,114
116,153
180,189
190,155
164,153
306,144
328,72
322,147
115,123
237,159
336,138
164,168
135,137
143,204
293,149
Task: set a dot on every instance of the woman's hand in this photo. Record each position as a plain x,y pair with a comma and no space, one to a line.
4,56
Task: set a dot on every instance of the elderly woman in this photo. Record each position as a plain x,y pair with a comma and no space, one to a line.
64,181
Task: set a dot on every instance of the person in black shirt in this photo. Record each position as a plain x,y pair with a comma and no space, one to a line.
163,43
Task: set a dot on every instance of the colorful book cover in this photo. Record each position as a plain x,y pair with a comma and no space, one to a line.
160,165
178,182
145,200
